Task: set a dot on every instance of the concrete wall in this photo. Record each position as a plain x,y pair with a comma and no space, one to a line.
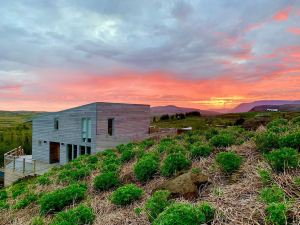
131,122
69,132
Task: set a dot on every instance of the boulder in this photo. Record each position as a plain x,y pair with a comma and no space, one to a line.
186,185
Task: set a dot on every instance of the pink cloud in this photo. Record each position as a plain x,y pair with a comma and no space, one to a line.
294,30
283,14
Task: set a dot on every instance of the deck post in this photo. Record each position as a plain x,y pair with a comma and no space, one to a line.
34,163
23,165
14,164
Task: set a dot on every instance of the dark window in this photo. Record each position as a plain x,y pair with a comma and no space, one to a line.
69,152
88,150
110,126
45,142
56,124
82,150
75,151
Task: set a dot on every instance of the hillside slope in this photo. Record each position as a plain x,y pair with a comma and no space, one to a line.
95,187
172,109
281,108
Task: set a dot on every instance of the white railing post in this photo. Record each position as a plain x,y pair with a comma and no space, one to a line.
23,165
34,164
14,164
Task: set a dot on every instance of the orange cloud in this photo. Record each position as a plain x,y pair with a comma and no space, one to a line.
283,14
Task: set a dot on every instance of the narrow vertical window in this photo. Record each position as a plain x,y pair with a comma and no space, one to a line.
88,150
84,129
89,130
56,124
110,126
75,151
69,152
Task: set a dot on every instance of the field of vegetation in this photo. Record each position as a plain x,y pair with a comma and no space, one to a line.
240,168
15,130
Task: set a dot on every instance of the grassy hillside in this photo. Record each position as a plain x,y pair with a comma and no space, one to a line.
253,178
15,130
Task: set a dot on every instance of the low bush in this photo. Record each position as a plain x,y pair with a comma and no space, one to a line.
222,140
165,144
126,194
276,214
291,140
3,205
211,132
146,144
229,162
37,221
106,181
200,150
208,210
146,167
3,195
157,203
180,213
296,120
58,199
272,194
73,174
173,163
27,200
80,215
124,147
43,180
265,177
284,158
266,141
127,155
111,163
18,189
278,125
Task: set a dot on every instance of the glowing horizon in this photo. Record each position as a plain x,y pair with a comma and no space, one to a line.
199,54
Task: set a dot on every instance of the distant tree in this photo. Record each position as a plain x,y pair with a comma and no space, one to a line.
239,121
180,116
193,113
165,117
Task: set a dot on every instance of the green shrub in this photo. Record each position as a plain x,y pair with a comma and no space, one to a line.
276,214
278,125
180,213
283,158
157,203
58,199
176,149
127,155
27,200
146,167
3,195
126,194
111,163
291,140
266,141
73,174
18,189
165,144
106,181
229,162
272,194
43,180
37,221
173,163
80,215
200,150
92,159
124,147
265,177
208,210
3,205
222,140
296,120
211,132
146,144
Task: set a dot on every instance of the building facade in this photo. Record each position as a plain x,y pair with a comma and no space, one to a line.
60,137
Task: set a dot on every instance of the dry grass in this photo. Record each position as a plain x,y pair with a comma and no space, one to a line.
236,198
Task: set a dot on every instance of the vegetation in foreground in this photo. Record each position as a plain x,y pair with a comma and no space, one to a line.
254,179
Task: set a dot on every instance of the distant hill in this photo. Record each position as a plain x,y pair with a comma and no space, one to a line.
281,108
245,107
172,109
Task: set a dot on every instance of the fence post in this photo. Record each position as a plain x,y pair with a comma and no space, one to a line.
34,161
23,165
14,163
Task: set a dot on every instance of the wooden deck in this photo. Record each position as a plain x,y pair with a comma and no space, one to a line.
18,165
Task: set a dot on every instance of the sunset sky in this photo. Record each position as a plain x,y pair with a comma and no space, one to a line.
206,54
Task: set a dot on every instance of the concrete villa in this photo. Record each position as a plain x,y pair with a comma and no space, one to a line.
60,137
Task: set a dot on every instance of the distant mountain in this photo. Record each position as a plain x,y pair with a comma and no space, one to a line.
281,108
245,107
172,109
